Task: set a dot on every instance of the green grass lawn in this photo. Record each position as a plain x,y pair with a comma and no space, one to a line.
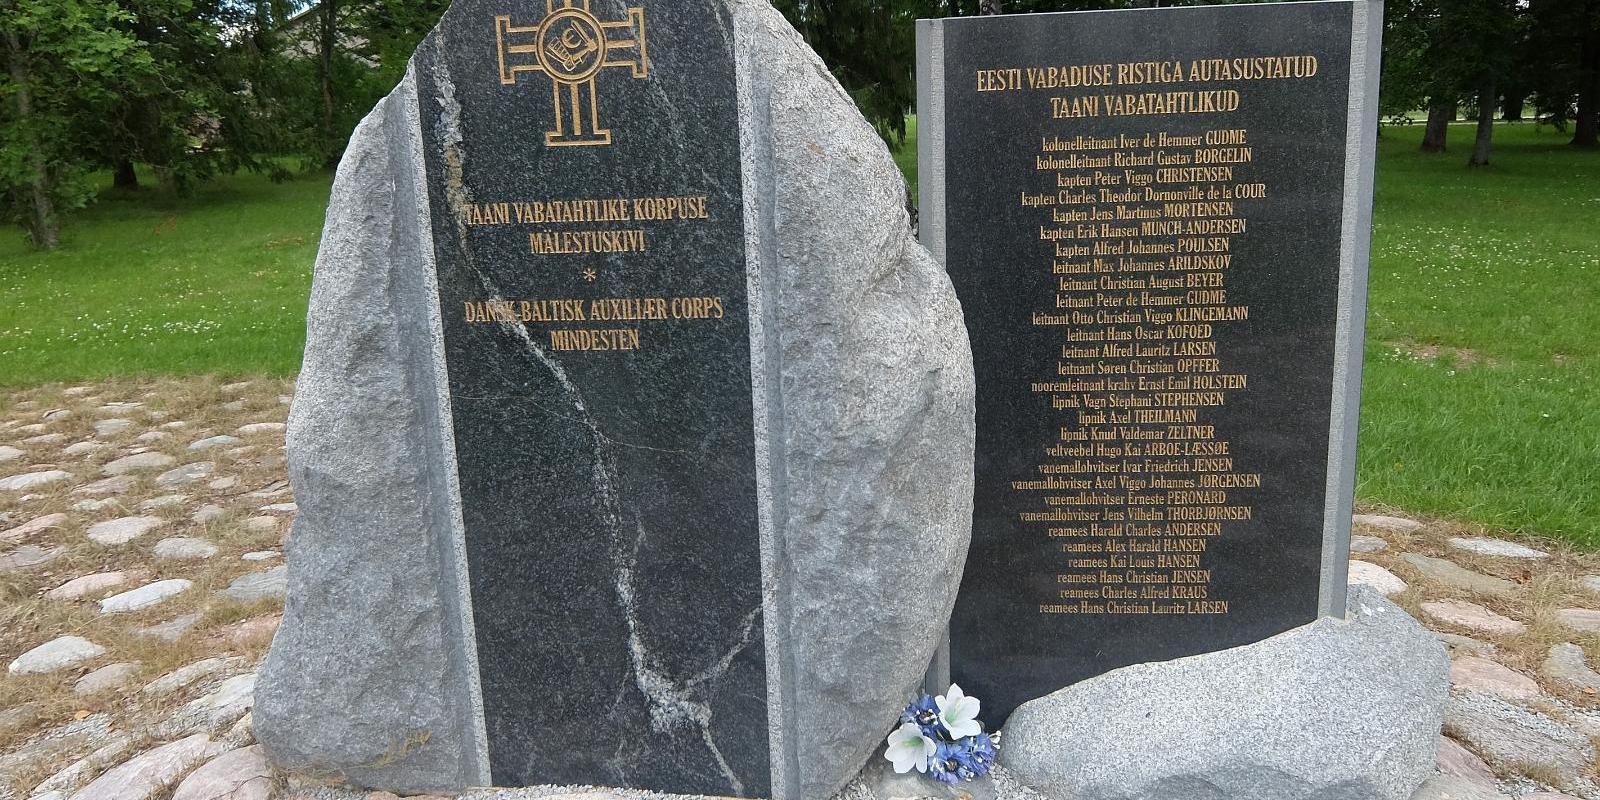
1482,378
1482,396
148,283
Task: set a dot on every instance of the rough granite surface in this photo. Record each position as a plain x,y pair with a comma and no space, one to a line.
1335,710
364,679
869,389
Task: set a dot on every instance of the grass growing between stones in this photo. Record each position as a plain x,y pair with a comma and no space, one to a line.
1481,369
147,283
169,414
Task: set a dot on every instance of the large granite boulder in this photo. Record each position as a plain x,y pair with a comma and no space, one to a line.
371,677
1336,710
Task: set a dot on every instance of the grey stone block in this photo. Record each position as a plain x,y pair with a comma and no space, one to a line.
1336,710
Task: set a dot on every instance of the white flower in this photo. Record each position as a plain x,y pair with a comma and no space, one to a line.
958,713
909,749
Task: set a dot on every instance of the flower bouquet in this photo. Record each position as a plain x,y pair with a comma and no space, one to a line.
942,738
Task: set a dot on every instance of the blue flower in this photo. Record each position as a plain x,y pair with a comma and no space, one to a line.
945,765
924,713
974,756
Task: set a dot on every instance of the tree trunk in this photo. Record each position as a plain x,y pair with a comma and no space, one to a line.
123,177
328,40
1587,132
1440,115
1480,147
41,223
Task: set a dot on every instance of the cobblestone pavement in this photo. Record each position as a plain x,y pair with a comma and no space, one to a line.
142,527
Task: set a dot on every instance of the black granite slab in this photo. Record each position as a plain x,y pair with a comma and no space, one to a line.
606,463
1249,397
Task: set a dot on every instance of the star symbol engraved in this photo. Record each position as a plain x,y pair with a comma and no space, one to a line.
589,274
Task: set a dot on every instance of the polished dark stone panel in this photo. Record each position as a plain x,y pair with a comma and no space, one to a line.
1286,268
609,496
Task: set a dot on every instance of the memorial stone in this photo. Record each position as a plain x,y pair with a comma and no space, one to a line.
632,446
1157,222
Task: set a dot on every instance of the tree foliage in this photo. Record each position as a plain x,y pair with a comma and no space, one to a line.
64,59
194,88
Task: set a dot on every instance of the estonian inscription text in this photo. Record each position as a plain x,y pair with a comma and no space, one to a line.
1138,232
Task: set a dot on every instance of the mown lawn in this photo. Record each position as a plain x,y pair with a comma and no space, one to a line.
1482,378
150,284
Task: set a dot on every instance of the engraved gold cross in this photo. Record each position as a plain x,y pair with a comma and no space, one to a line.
571,46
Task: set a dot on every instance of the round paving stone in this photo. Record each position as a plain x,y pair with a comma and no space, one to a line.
1449,787
240,774
256,428
184,676
1397,524
1580,619
207,513
261,524
214,441
83,448
259,585
87,585
106,678
184,548
9,453
1567,666
1471,616
150,594
28,556
1455,576
138,462
146,775
1367,544
1384,581
188,473
1458,761
117,484
1482,675
112,427
33,526
56,654
170,631
1506,734
1495,547
33,480
164,501
120,531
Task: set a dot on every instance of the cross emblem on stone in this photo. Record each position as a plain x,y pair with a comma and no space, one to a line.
572,46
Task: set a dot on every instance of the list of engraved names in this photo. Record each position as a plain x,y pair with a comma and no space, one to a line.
1138,232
